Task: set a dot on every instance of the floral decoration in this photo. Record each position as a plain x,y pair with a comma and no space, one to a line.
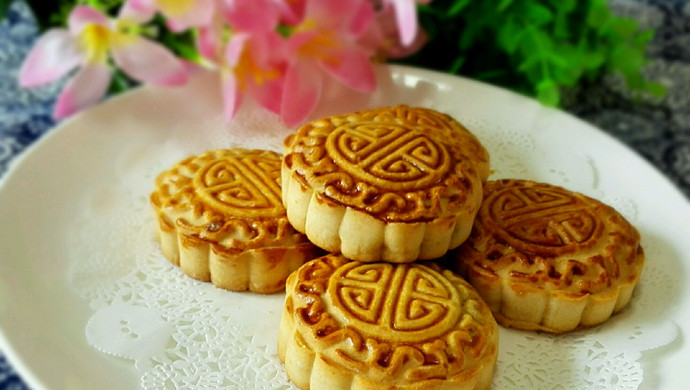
281,52
277,52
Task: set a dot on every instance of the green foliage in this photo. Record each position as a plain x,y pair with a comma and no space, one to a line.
537,47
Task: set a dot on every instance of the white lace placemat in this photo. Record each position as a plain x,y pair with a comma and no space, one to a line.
181,333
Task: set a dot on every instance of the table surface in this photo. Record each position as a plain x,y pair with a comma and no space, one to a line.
658,129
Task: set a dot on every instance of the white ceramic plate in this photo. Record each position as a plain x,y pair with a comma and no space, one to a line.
43,317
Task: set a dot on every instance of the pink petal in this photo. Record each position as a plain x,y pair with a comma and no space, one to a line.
208,43
302,90
234,49
87,87
255,16
268,49
337,14
200,14
83,15
210,39
176,25
138,11
54,54
266,85
150,62
269,95
141,5
292,12
232,96
297,40
406,16
328,12
362,19
354,69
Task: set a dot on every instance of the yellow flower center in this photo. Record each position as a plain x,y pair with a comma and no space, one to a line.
96,41
175,8
247,69
321,46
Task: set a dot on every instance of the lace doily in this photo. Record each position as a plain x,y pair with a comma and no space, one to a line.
181,333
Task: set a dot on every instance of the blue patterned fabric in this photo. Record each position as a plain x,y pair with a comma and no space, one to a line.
659,129
24,114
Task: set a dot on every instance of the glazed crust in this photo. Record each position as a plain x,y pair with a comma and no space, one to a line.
353,325
220,219
545,258
395,184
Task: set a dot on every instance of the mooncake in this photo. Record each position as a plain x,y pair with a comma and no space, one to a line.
353,325
549,259
394,184
220,218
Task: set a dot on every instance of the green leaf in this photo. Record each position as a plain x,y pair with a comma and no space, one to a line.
624,27
641,39
535,42
4,7
656,89
456,65
457,7
556,59
627,60
635,81
469,36
509,36
538,13
567,76
561,27
503,5
598,15
564,6
548,93
530,62
593,60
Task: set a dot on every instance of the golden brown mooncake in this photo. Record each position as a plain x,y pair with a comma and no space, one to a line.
394,184
545,258
220,219
353,325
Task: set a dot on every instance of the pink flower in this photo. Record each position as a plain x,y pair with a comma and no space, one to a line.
254,65
236,16
179,14
88,43
241,41
326,41
385,39
406,18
